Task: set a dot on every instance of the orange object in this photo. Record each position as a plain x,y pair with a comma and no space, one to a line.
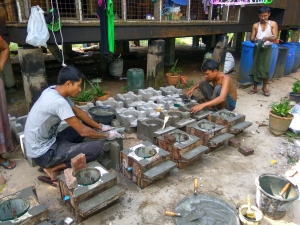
285,188
169,213
195,185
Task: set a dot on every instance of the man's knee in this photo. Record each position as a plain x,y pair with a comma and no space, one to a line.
95,148
203,84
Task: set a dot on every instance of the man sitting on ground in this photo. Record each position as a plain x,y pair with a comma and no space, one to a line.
221,94
53,151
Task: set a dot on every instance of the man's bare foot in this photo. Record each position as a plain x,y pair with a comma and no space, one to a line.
8,164
52,174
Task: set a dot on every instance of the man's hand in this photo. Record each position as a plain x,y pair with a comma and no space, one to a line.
190,92
197,108
106,127
113,135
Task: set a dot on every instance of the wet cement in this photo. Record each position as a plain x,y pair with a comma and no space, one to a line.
145,152
207,210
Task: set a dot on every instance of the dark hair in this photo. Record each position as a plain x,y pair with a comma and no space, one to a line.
264,9
69,73
210,64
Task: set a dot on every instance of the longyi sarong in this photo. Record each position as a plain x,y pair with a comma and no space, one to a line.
261,64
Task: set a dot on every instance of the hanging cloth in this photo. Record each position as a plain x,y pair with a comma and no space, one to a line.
110,25
168,3
101,12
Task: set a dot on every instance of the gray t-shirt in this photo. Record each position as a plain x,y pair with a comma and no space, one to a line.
43,120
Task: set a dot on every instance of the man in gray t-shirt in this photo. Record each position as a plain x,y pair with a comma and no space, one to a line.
51,150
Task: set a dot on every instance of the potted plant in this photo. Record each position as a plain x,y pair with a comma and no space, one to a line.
280,117
85,96
100,93
295,94
173,75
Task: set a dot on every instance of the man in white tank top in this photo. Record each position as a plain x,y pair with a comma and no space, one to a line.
263,34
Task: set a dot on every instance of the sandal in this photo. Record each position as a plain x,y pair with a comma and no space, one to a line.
266,93
251,92
41,170
7,165
47,180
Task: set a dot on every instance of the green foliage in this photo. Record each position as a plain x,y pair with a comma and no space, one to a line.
281,108
174,70
290,136
124,88
13,46
296,86
190,83
86,95
98,91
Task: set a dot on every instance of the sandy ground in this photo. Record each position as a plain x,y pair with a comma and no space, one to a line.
224,173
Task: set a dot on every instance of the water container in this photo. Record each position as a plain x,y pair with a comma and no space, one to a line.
290,58
297,56
135,79
273,60
246,61
281,61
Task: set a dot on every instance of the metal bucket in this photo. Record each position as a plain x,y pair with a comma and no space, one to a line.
268,186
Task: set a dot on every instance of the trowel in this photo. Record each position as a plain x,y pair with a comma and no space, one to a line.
165,121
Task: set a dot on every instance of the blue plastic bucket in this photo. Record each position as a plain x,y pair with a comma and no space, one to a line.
246,61
273,60
297,56
290,58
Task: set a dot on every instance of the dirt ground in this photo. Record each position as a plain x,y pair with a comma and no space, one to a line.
224,173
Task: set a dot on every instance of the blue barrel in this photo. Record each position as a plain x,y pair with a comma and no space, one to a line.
290,58
246,61
273,60
297,56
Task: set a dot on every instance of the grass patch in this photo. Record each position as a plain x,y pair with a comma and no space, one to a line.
184,41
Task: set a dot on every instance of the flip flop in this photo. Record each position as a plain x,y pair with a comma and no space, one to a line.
47,180
41,170
266,93
251,92
6,164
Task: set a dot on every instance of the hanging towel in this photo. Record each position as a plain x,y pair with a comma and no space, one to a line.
101,13
110,25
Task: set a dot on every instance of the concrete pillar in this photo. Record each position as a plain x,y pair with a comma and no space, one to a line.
119,47
7,74
284,35
220,51
33,73
196,41
295,36
248,36
239,40
210,42
56,52
169,51
126,46
67,49
155,64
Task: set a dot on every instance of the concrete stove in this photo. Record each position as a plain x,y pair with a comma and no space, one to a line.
150,94
235,123
23,208
213,135
97,189
118,106
150,129
130,99
152,109
146,163
171,90
177,118
184,148
128,119
202,114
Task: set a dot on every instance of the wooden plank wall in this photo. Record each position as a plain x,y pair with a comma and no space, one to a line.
291,14
279,4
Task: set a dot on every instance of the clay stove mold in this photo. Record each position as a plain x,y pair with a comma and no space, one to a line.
146,163
185,150
177,118
23,208
94,195
202,114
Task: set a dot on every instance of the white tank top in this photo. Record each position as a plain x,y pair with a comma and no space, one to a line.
266,33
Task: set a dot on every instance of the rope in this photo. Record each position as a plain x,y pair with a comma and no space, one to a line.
62,39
